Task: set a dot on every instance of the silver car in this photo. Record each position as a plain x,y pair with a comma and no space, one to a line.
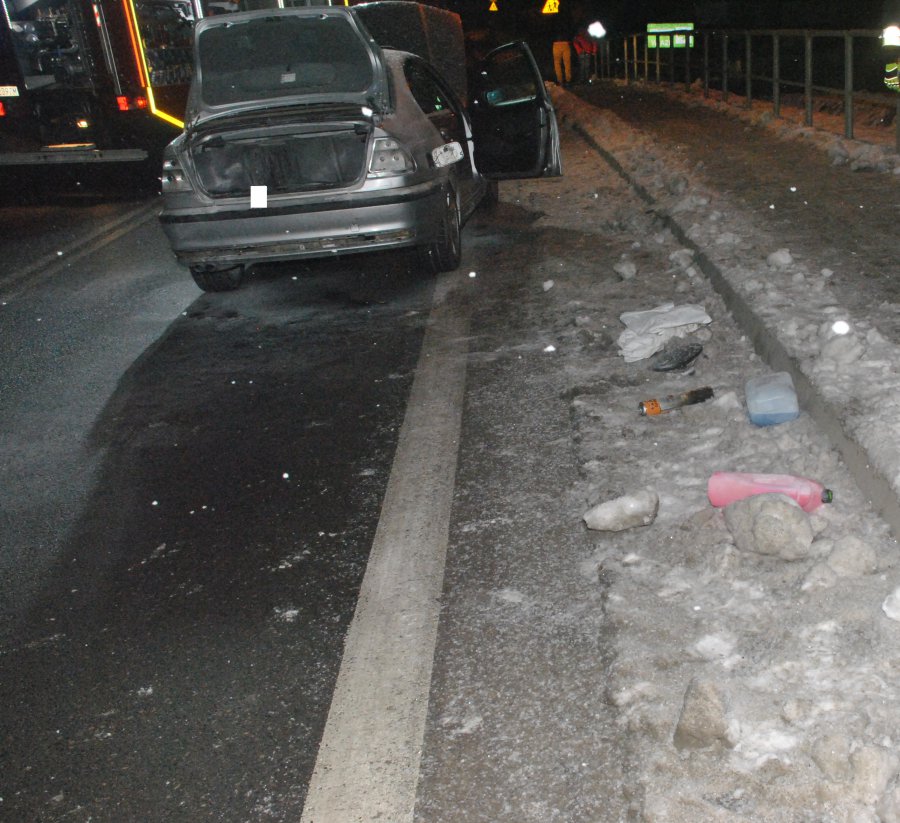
305,138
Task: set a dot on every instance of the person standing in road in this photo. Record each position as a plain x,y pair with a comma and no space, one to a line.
585,48
562,54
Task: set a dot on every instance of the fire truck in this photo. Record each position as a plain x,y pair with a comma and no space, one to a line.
93,80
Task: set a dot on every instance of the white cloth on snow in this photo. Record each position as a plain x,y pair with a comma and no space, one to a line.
648,331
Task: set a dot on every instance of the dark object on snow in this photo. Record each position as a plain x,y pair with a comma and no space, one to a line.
676,357
651,408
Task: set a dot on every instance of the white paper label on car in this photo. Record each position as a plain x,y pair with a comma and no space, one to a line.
289,77
259,196
447,154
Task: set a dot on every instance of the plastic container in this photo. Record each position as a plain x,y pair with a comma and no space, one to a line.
727,487
771,399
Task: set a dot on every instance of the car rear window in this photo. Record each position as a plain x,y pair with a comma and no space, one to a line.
281,56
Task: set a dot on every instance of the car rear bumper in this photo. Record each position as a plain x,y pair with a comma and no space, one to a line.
222,237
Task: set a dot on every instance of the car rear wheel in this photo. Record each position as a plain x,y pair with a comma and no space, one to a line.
213,279
445,253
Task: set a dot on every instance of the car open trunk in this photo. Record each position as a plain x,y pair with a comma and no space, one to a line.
285,158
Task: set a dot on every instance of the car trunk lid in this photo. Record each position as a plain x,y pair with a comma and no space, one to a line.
266,59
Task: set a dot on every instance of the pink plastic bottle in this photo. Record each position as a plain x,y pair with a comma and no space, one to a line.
726,487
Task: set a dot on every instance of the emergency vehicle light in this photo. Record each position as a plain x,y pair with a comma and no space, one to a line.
143,70
130,104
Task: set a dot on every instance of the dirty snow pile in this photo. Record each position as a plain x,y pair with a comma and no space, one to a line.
876,151
756,674
842,355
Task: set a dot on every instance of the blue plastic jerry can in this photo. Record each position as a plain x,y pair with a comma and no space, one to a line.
771,399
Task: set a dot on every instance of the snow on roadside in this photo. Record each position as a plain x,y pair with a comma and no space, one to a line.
852,365
873,149
748,686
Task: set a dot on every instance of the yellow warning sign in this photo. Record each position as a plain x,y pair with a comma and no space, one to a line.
551,7
493,6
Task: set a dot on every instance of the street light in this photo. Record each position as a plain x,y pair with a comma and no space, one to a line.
596,30
891,39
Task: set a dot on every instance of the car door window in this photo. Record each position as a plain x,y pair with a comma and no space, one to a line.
426,89
508,80
437,102
515,128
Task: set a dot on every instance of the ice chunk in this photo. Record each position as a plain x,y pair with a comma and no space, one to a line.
625,269
771,524
625,512
703,722
852,558
780,259
891,605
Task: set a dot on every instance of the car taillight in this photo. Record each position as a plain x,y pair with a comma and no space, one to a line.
173,176
2,109
131,103
389,157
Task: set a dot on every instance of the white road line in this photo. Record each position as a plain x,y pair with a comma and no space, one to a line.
15,282
367,767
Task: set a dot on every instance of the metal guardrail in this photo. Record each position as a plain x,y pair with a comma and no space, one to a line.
732,60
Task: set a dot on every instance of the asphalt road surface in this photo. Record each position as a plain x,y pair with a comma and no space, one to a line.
199,481
197,485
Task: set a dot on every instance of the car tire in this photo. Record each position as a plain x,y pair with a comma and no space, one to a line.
210,279
445,253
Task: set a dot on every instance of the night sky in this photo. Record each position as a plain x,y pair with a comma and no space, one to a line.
632,15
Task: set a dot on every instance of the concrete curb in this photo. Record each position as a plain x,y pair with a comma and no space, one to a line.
861,464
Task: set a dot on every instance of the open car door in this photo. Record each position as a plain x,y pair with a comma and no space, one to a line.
513,122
